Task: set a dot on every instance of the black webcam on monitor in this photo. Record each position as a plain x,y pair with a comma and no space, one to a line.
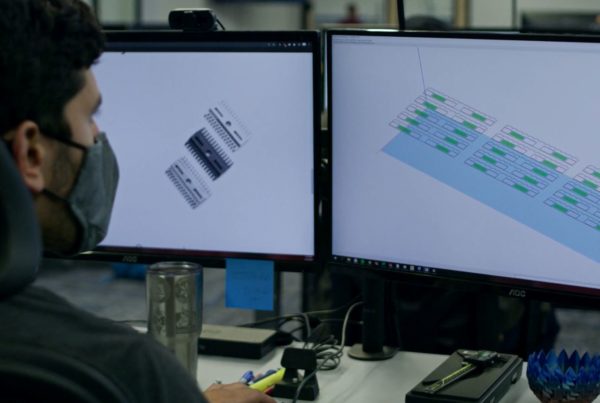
194,19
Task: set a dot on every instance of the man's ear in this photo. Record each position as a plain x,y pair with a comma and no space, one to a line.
29,152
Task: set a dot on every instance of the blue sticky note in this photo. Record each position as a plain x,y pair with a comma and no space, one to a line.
249,284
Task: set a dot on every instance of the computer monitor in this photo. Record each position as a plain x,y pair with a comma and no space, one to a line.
560,22
215,135
472,158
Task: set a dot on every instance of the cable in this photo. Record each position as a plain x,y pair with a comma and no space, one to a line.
300,317
283,320
312,313
333,310
350,322
346,322
307,322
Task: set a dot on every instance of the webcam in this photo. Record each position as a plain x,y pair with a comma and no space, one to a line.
194,19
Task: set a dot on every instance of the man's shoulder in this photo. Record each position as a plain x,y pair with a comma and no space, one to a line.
38,308
39,317
134,360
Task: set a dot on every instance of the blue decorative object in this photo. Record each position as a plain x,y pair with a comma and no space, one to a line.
571,379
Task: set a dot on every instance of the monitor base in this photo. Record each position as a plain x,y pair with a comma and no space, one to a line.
357,352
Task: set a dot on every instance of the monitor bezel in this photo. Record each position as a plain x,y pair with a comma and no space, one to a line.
120,40
567,295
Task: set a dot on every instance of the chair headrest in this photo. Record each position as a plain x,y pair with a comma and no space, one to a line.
20,240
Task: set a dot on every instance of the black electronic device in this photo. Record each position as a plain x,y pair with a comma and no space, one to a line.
450,164
469,376
232,341
193,19
216,138
295,360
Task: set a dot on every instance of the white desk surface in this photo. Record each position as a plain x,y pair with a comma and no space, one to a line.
353,381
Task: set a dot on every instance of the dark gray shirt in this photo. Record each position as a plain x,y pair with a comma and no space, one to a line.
141,367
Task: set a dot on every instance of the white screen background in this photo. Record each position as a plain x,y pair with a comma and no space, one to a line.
153,102
386,210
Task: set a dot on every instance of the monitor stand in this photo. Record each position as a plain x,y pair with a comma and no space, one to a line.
373,331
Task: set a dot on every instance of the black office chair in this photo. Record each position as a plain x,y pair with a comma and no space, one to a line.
30,373
20,241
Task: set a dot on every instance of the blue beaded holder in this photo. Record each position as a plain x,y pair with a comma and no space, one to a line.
564,378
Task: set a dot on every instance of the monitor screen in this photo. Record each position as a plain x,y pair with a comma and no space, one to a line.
215,138
472,157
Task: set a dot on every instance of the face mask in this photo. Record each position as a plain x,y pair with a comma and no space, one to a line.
93,195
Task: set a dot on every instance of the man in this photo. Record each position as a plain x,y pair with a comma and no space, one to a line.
48,98
351,16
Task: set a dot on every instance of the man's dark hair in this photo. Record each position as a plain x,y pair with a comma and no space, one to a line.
44,46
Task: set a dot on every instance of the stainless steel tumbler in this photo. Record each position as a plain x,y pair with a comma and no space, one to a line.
174,300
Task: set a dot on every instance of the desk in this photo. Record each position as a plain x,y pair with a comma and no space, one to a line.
353,381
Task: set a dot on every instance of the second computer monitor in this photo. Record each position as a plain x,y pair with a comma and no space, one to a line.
467,156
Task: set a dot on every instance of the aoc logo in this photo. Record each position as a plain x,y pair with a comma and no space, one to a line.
516,292
130,259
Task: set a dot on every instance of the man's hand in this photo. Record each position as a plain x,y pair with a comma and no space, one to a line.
235,393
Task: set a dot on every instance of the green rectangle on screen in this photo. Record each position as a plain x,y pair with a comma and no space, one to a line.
507,143
530,180
442,148
597,174
540,172
559,156
479,117
498,151
489,159
480,167
516,135
469,125
570,200
460,133
520,188
412,121
580,192
590,184
560,208
439,97
429,105
421,113
550,164
451,140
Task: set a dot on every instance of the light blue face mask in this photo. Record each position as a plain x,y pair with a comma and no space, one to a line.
92,197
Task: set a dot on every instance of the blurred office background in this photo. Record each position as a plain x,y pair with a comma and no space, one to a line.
575,15
98,288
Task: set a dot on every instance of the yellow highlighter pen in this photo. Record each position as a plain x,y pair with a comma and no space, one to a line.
268,381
